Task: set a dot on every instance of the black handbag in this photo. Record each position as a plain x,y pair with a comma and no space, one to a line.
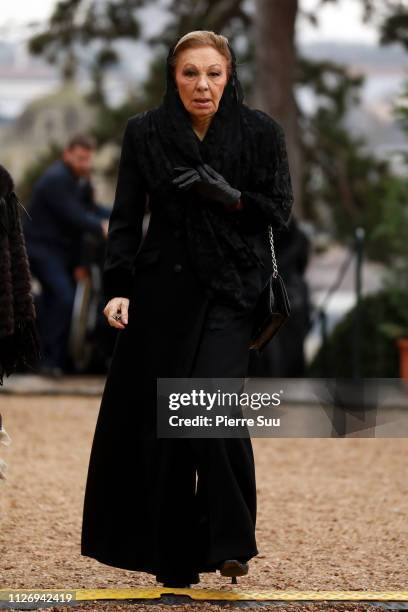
272,309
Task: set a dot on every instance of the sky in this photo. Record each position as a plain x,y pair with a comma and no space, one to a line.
341,22
20,11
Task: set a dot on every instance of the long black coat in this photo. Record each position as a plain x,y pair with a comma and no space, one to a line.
124,510
157,275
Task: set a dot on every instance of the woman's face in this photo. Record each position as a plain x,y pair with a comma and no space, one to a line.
201,75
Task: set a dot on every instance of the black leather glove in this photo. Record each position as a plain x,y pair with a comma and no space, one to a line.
206,182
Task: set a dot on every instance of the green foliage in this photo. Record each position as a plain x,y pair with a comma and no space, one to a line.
379,352
36,169
75,23
395,27
356,187
394,229
341,175
109,126
388,237
401,109
396,326
109,123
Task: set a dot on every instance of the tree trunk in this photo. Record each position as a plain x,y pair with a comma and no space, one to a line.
275,56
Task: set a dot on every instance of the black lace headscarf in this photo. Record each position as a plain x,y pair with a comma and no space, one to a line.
219,250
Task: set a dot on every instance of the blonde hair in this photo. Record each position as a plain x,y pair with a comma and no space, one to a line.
202,38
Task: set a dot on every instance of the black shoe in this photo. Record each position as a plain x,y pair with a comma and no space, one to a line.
233,568
178,581
176,584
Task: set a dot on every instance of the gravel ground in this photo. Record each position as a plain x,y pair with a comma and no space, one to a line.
332,513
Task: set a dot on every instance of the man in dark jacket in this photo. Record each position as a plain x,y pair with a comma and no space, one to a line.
60,215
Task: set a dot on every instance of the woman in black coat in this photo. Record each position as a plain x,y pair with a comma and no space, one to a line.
215,174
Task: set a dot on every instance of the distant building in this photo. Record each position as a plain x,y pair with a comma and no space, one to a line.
50,119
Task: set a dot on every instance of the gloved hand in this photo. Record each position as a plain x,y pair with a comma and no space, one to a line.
206,182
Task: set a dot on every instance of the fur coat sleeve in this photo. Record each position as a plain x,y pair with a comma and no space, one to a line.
19,340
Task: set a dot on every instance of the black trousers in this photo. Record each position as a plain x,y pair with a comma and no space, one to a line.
211,481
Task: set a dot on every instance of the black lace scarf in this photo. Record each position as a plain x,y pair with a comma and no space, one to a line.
218,249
